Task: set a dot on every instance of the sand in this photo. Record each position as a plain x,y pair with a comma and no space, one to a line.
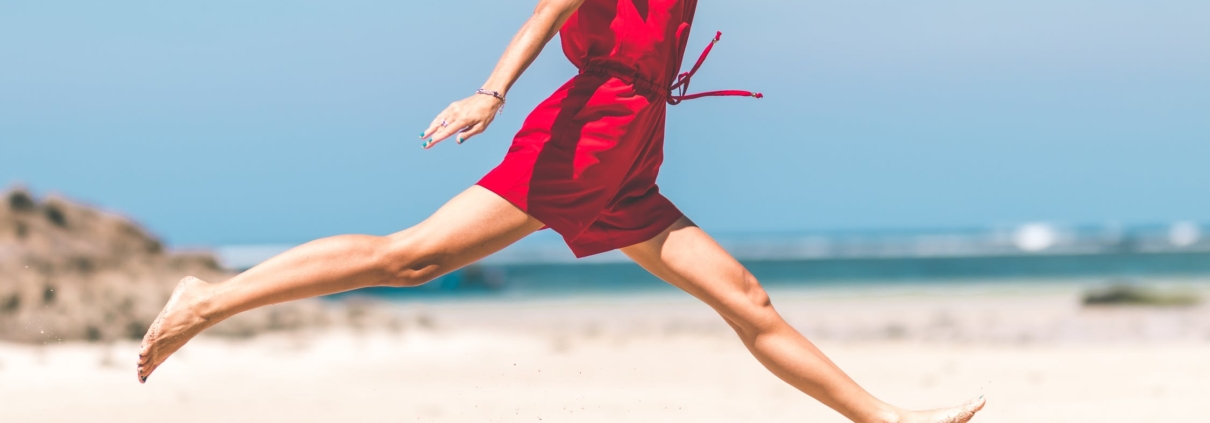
1034,352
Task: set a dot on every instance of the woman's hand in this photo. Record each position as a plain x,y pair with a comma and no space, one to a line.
467,117
471,115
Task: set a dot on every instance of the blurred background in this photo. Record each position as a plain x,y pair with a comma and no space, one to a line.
951,198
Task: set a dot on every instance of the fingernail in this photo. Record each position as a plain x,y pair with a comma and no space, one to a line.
459,140
422,135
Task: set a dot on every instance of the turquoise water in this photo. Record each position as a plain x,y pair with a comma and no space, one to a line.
521,279
542,265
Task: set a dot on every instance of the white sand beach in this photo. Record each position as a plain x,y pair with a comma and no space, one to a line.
1034,352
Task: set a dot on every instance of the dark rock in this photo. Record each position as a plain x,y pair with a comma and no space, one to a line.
48,295
12,303
92,333
20,201
1138,295
55,215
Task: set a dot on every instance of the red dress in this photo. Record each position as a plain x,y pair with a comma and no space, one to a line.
586,159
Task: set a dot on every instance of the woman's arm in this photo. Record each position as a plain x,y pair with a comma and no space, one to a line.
473,114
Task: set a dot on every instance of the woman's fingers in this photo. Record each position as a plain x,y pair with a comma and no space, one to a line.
467,118
444,131
435,124
471,131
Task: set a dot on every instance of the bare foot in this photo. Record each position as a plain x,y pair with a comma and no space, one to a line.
179,321
959,414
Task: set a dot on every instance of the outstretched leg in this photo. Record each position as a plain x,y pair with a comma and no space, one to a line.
469,227
686,257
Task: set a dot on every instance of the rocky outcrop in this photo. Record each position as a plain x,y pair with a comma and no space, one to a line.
73,272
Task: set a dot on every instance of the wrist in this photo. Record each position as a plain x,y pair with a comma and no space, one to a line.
499,87
496,95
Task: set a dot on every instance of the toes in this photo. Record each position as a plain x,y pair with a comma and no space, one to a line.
967,411
144,372
976,404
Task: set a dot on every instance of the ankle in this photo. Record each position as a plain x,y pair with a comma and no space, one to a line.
206,306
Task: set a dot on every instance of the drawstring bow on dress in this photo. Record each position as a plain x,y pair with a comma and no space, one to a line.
682,80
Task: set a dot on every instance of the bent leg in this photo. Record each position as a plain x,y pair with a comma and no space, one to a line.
469,227
685,256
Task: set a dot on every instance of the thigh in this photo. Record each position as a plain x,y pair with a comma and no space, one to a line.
470,226
575,152
685,256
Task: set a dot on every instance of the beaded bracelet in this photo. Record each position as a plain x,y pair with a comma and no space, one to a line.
495,94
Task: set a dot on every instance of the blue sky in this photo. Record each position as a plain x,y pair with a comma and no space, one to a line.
231,122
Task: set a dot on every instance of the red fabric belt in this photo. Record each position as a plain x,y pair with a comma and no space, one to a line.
626,73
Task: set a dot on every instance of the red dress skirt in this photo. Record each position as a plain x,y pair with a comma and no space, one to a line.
586,159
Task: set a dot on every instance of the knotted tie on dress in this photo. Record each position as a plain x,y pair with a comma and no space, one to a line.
682,80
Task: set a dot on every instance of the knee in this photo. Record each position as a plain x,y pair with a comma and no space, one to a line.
757,298
406,260
751,311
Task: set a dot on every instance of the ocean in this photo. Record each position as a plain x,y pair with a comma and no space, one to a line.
1110,254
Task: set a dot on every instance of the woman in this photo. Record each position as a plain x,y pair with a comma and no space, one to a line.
584,164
